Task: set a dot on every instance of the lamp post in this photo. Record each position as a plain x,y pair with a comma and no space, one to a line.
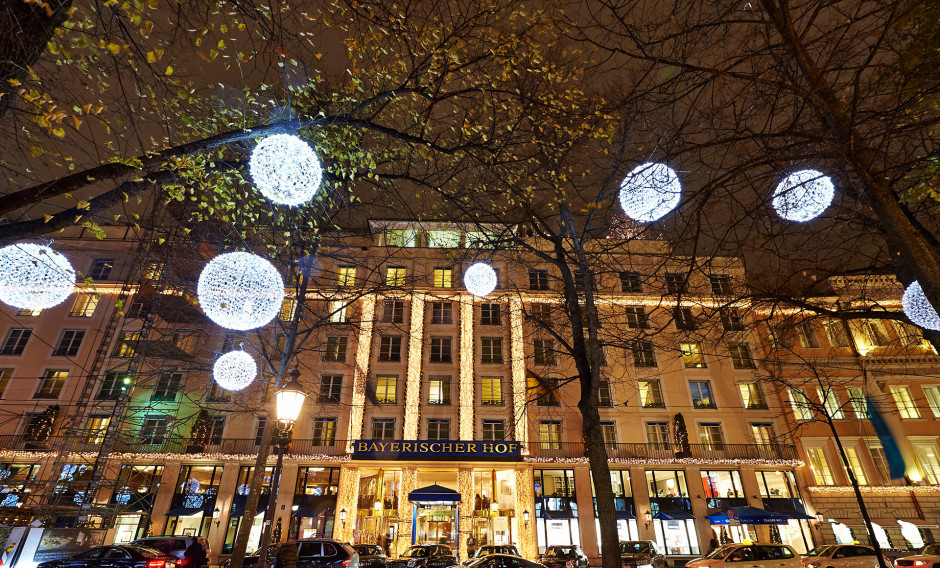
288,402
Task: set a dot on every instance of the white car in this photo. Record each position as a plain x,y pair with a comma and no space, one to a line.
841,556
928,557
759,555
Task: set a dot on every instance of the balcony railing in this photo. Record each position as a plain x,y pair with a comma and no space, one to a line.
656,451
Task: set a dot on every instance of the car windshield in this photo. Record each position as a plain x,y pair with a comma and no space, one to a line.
720,552
634,547
147,551
365,548
560,552
931,549
825,550
417,552
486,550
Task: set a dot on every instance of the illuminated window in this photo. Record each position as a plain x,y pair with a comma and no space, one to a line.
820,466
855,464
751,395
5,375
835,333
395,276
95,429
491,391
440,351
543,351
631,282
154,270
338,311
346,276
929,463
603,394
443,239
643,355
550,434
636,317
26,312
15,342
405,238
741,356
692,356
858,402
702,394
324,431
880,460
491,349
657,435
335,349
763,434
386,387
69,343
51,383
126,344
390,348
875,331
907,408
288,308
439,390
651,396
710,435
184,340
932,394
84,305
831,403
802,409
806,334
609,430
442,312
443,278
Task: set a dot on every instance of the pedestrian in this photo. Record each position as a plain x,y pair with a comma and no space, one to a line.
712,544
195,555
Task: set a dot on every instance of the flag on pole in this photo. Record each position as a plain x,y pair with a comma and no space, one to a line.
889,443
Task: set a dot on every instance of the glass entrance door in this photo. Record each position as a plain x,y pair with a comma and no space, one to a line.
436,525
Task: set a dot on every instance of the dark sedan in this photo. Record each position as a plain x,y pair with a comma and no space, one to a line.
125,556
370,556
424,556
312,553
569,556
503,561
641,554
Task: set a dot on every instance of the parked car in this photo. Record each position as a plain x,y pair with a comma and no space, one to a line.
641,554
927,557
122,556
174,545
490,549
564,556
503,561
841,556
755,555
370,556
311,553
424,556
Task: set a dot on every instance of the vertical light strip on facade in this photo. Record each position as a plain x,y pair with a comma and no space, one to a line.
409,482
466,367
361,372
517,350
525,501
347,500
465,486
413,378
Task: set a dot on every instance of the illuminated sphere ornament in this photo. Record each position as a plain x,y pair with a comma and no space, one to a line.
235,370
650,191
34,277
285,169
480,279
240,290
803,195
918,308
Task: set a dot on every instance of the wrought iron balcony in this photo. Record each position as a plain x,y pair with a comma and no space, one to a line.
660,451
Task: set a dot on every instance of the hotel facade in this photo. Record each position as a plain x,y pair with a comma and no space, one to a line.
113,422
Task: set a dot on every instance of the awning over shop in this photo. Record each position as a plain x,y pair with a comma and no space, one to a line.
748,516
314,505
673,516
434,495
790,507
920,523
239,502
183,512
625,515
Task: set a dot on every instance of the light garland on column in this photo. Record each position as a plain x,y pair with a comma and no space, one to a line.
465,487
650,191
517,354
409,482
466,369
525,501
803,195
285,169
34,277
347,500
361,372
413,377
240,290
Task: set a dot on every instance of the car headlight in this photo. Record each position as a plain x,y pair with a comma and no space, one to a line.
645,566
920,562
814,565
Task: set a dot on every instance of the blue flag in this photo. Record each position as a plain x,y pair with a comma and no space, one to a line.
890,445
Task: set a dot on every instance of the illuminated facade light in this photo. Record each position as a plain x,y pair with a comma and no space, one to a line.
466,369
34,277
240,290
918,308
361,372
413,376
650,191
480,279
235,370
803,195
285,169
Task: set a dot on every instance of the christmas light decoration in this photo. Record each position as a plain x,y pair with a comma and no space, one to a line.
517,354
235,370
525,501
285,169
465,521
34,277
466,369
918,308
650,191
480,279
877,490
671,461
347,499
409,482
803,195
413,377
240,290
361,372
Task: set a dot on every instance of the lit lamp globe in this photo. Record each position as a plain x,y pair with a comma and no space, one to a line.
285,169
480,279
918,308
240,290
34,277
650,191
235,370
803,195
290,399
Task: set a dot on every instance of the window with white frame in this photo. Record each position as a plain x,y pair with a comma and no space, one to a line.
550,434
751,395
855,464
907,408
439,390
154,429
692,356
383,428
763,433
709,433
491,391
386,387
836,333
324,431
932,394
84,305
830,400
819,465
338,311
858,402
494,430
651,394
438,429
875,332
806,334
657,435
393,311
609,430
929,462
636,317
880,461
802,409
741,355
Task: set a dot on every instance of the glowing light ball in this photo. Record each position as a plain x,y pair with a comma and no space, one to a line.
480,279
235,370
803,195
240,290
285,169
34,277
918,308
650,191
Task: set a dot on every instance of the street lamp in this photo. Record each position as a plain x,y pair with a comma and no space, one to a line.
525,517
342,517
288,402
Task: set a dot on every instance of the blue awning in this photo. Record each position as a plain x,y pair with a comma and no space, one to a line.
673,516
791,507
748,516
434,495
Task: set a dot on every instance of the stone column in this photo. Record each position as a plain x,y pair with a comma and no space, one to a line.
409,481
586,519
361,372
413,376
348,500
465,486
527,539
641,503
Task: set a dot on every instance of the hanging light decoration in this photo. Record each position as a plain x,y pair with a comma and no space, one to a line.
918,308
240,290
650,191
480,279
34,277
285,169
803,195
235,370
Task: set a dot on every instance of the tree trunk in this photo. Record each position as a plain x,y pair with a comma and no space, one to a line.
254,495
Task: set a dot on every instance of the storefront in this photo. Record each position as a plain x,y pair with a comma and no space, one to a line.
781,494
240,500
314,505
134,498
671,512
623,504
193,503
556,508
723,490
